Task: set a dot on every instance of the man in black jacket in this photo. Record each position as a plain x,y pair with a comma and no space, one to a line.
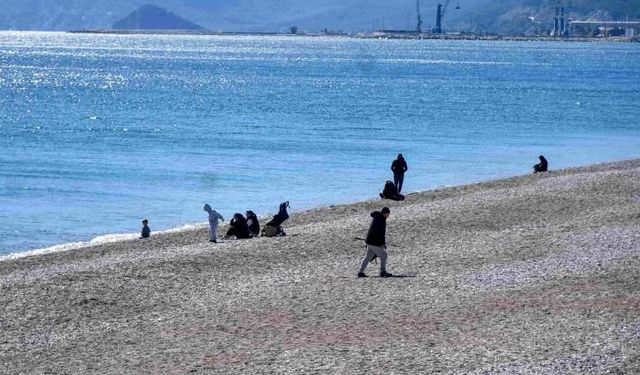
376,242
399,166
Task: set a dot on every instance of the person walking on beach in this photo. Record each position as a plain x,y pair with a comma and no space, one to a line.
146,231
376,242
543,166
214,216
399,167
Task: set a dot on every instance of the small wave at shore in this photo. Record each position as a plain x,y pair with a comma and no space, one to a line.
100,240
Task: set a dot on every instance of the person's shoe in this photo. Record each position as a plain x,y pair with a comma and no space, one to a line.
362,274
385,274
381,195
214,241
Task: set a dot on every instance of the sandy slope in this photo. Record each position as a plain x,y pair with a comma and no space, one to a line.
536,274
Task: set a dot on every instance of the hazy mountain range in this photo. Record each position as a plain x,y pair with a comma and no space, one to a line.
515,16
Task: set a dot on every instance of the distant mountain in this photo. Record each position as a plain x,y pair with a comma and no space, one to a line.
499,16
152,17
223,15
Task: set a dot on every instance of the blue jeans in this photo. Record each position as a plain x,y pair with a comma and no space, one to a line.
398,179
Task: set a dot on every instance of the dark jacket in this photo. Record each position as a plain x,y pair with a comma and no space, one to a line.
146,232
544,164
399,166
280,217
239,224
377,230
254,225
390,190
283,211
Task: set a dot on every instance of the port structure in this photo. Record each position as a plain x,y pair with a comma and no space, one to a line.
419,28
631,28
441,11
559,20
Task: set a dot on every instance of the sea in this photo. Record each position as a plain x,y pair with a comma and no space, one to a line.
98,132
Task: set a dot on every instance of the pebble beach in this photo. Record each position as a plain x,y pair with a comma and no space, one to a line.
534,274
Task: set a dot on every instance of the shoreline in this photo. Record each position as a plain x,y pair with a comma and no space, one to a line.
196,227
529,274
103,239
110,238
370,35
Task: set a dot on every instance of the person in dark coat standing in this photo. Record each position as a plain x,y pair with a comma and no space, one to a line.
543,166
399,167
376,242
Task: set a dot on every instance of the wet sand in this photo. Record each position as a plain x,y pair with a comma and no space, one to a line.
529,275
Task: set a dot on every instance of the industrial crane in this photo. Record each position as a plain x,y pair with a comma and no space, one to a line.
442,10
419,17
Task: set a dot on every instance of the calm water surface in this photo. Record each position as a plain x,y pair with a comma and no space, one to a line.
99,131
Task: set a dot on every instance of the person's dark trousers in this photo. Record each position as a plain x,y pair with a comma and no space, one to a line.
398,179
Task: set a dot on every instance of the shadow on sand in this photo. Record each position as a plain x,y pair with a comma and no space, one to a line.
397,277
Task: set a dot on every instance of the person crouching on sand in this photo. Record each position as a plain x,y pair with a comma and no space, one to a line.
146,231
238,227
214,216
390,192
376,242
543,166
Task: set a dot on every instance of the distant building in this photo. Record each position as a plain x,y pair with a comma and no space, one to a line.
628,29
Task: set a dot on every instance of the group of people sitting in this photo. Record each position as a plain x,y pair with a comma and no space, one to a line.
242,227
248,226
245,227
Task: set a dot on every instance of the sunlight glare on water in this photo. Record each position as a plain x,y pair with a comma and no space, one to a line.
100,131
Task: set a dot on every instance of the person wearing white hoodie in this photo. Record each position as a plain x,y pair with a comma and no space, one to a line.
214,216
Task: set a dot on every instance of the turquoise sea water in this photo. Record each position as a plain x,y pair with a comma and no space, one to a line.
100,131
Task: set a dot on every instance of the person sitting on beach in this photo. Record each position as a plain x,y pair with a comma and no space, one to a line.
543,166
273,227
253,223
399,167
214,216
376,242
390,192
146,231
238,227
